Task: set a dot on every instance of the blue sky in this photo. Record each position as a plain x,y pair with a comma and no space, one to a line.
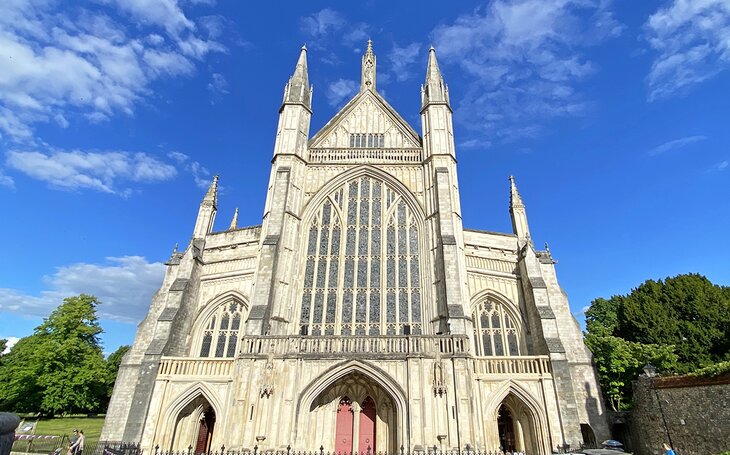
115,114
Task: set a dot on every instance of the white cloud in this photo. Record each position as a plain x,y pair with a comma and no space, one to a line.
11,341
340,90
328,27
63,64
523,60
721,166
101,171
692,40
201,175
675,144
402,60
6,181
321,24
124,285
218,84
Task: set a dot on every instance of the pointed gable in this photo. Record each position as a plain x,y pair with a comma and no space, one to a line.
366,113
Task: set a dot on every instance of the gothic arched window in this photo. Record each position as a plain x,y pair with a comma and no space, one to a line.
221,331
362,273
496,330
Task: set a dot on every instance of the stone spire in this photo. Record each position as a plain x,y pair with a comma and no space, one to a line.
207,211
368,69
515,200
298,90
517,212
234,221
434,90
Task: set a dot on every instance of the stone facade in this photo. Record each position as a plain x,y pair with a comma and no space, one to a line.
360,313
692,413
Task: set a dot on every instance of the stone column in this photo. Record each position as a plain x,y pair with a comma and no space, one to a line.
356,426
8,424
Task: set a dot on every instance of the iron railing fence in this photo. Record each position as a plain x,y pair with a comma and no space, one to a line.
36,443
321,451
59,445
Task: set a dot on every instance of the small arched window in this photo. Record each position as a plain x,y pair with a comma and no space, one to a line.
496,330
221,331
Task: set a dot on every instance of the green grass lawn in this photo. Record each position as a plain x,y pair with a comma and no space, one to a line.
65,426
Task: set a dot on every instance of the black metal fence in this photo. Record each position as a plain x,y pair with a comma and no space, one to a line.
31,443
59,445
289,451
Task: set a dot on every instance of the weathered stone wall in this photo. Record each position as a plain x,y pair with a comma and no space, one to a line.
696,412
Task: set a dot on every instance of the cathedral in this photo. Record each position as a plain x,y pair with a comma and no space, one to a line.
360,315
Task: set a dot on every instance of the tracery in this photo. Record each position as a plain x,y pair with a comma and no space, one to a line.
362,273
496,331
221,331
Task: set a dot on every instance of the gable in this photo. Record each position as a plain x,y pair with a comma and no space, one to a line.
367,113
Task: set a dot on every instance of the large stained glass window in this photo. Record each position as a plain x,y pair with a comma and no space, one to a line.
221,331
496,331
362,274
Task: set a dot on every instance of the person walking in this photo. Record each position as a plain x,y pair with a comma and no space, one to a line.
667,449
77,448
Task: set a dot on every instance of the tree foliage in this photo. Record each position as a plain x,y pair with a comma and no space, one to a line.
60,367
678,325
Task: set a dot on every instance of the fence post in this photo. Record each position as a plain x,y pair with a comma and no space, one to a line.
288,449
223,449
190,449
321,450
255,449
157,448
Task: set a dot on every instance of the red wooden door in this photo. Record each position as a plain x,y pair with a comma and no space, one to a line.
343,431
205,432
367,426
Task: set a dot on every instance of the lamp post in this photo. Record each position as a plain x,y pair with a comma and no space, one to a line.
650,372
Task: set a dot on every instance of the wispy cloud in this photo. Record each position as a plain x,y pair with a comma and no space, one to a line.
201,175
692,42
218,84
402,60
721,166
67,64
6,181
524,60
340,90
328,27
321,24
124,285
108,172
675,144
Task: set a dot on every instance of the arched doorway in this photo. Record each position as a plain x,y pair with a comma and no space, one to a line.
194,426
354,414
506,429
517,427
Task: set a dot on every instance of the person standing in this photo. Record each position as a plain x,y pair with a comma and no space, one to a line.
667,450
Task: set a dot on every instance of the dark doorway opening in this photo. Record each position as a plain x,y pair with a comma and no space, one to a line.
506,427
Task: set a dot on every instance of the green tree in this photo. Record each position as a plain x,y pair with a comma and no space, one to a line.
60,367
678,325
3,346
619,362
